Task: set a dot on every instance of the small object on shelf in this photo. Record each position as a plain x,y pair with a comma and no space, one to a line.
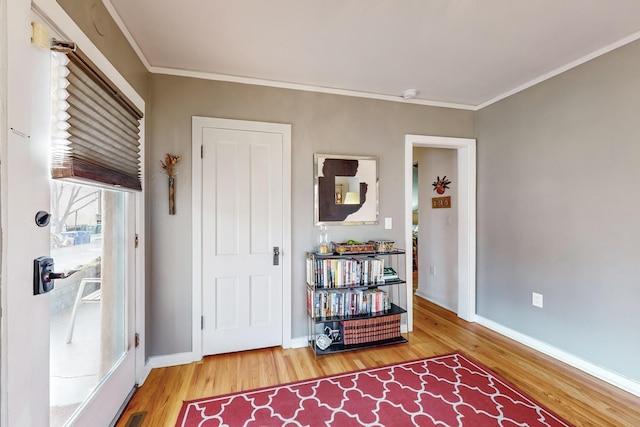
323,240
383,245
389,274
323,342
351,247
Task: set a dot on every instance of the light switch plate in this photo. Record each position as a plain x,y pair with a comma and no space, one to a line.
536,299
388,223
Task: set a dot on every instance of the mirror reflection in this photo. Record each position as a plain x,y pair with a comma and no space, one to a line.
347,190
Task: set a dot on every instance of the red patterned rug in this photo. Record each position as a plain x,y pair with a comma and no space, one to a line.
450,390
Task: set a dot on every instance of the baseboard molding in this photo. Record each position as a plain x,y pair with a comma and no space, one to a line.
189,357
142,376
172,360
424,296
299,342
612,378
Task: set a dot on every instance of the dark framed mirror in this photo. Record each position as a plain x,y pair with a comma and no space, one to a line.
345,189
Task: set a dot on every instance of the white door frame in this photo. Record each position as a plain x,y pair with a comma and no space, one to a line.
198,123
466,159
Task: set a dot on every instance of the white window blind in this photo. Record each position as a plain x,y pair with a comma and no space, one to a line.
96,131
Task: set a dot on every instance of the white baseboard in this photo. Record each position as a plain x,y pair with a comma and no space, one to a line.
299,342
189,357
424,296
142,376
612,378
172,360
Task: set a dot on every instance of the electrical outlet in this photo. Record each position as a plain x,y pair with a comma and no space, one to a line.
536,299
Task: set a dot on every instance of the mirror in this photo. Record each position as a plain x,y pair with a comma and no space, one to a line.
346,189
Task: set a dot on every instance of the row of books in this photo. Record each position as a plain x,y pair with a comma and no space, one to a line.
344,272
323,304
369,330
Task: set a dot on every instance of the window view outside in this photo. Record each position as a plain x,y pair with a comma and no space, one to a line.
86,308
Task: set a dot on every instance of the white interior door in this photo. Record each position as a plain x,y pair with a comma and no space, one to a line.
242,226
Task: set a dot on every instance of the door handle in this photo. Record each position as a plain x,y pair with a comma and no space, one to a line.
51,275
276,255
43,275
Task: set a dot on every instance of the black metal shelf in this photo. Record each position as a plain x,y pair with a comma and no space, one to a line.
339,348
393,310
357,328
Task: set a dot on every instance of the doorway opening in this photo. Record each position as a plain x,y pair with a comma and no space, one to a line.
465,153
435,225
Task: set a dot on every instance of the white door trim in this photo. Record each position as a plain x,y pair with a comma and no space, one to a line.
196,187
466,158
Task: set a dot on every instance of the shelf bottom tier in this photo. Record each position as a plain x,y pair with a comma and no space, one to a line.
339,348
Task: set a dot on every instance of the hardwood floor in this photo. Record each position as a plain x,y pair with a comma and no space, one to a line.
577,397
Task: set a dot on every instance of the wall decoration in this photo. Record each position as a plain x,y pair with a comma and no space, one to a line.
441,185
169,162
346,189
441,202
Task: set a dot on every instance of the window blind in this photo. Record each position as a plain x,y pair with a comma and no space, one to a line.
96,131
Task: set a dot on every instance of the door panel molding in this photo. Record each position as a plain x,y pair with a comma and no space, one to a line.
198,126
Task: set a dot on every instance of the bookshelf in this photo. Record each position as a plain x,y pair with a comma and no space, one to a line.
353,300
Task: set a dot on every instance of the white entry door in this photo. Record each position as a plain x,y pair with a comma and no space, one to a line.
242,235
56,370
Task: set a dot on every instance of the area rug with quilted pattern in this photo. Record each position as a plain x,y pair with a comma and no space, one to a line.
450,390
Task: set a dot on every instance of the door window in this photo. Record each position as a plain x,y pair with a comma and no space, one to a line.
87,309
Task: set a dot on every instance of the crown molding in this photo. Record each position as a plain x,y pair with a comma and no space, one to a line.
353,93
608,48
120,23
304,87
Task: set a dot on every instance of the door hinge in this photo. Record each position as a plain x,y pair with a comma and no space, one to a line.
137,340
137,240
202,151
201,323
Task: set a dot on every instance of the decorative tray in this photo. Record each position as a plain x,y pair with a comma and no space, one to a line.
346,248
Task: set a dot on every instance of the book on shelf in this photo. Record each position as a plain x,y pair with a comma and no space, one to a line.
323,304
345,272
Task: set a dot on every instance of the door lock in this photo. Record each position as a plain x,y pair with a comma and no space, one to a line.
276,255
43,275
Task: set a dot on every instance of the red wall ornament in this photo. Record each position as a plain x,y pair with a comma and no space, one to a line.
441,185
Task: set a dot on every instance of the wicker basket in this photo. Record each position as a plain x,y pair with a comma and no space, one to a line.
372,329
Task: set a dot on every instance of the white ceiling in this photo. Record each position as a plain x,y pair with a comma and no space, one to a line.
464,53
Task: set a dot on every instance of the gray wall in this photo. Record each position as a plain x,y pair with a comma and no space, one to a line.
91,16
558,200
321,123
559,211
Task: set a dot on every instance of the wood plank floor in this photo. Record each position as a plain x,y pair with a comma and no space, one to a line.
577,397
